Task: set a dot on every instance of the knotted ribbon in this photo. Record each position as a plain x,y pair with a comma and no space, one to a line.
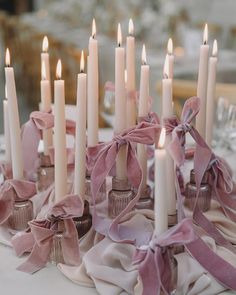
6,169
13,190
31,135
40,239
101,159
154,265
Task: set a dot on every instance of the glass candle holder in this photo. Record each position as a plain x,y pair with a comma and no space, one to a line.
145,201
119,197
21,215
56,255
45,173
83,223
204,197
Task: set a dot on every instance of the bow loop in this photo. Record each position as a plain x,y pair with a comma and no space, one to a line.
154,260
42,120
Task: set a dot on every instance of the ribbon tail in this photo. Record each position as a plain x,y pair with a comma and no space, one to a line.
37,259
220,269
23,243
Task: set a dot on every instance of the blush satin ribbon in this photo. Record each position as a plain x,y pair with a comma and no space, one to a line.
39,240
31,135
101,159
13,190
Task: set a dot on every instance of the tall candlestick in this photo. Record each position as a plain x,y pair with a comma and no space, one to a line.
171,57
161,184
143,112
6,132
80,137
60,136
46,107
45,58
120,104
211,86
14,122
202,83
167,111
92,115
130,85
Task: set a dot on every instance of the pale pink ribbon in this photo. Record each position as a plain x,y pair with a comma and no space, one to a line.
31,135
132,94
13,190
153,260
39,240
204,160
101,159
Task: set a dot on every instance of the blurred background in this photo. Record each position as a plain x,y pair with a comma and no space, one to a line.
67,23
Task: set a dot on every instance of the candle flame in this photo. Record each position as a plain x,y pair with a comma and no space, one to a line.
170,46
94,30
131,27
166,70
205,34
45,44
7,58
58,70
119,35
43,71
162,138
125,76
144,56
82,62
215,48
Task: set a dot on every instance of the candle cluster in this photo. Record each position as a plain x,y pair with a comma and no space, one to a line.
87,109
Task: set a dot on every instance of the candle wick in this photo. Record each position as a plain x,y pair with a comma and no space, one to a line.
119,44
165,76
205,43
81,71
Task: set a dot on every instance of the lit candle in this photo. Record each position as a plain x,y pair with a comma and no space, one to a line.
6,130
167,111
161,184
46,107
92,115
130,66
143,112
120,104
211,86
80,137
60,136
14,122
171,57
45,58
202,83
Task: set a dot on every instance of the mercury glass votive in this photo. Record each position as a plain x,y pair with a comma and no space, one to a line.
56,255
204,196
21,215
119,197
45,173
84,222
145,201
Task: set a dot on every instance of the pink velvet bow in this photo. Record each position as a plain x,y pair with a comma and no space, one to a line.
31,135
6,169
40,239
101,159
179,128
154,261
14,190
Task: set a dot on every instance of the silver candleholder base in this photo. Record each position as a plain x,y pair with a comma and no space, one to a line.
83,223
56,255
145,201
21,215
45,173
119,197
101,196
